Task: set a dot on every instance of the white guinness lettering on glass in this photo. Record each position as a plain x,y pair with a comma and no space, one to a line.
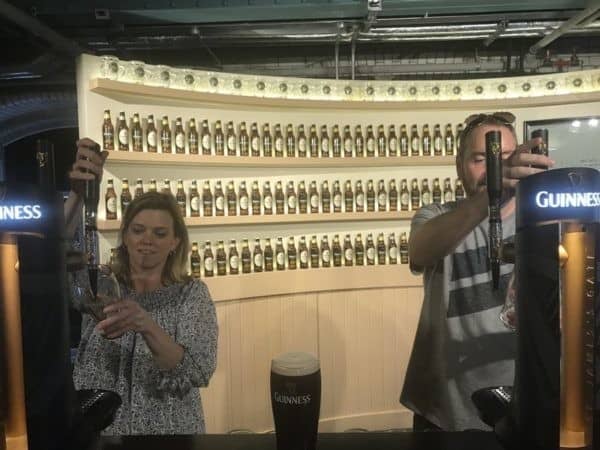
292,399
545,199
20,212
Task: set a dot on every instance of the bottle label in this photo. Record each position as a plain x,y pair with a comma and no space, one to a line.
292,202
123,137
381,199
206,141
371,253
231,142
152,139
234,262
426,198
244,202
208,264
404,199
268,202
348,254
348,145
254,144
302,145
393,143
180,140
326,255
279,145
448,196
337,200
360,199
111,205
370,145
195,203
325,145
314,201
220,203
280,258
393,253
258,260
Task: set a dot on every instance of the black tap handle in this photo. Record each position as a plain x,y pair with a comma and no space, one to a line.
541,149
493,160
92,191
44,153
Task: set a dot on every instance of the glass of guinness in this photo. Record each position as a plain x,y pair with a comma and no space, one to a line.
296,400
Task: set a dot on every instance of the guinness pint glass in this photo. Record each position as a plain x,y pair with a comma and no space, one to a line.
296,400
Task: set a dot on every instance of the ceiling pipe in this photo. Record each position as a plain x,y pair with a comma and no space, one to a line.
500,28
568,25
38,29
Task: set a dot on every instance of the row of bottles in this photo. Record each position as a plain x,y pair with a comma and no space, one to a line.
295,143
232,202
218,261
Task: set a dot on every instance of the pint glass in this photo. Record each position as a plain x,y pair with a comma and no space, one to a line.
296,400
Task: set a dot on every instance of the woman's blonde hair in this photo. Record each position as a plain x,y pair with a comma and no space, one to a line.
175,267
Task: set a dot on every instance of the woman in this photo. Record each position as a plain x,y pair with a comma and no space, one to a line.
158,344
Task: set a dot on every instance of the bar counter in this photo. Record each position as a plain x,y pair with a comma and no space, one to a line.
466,440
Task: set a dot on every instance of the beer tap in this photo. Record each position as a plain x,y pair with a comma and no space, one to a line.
541,149
493,154
91,199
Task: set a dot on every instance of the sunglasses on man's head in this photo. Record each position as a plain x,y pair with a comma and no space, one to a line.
475,120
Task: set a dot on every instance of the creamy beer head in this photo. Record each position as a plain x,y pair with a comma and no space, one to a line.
295,364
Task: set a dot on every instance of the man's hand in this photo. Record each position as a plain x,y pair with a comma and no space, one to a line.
518,165
123,316
88,165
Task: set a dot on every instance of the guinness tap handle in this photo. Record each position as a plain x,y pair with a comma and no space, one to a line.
92,196
493,160
541,149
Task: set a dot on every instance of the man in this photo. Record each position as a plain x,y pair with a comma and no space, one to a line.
461,344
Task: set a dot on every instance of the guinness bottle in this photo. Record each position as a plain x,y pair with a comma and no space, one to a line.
278,142
381,250
348,150
403,249
205,138
381,142
280,254
152,187
137,142
243,199
165,136
336,140
325,198
254,140
414,141
459,191
151,138
313,142
290,142
179,136
231,200
415,195
292,200
139,187
370,250
348,251
209,260
167,187
360,196
181,198
125,196
370,196
267,199
207,200
219,200
348,197
221,259
193,138
449,140
370,141
111,201
302,142
325,252
314,253
279,199
219,139
438,141
268,256
257,256
426,141
381,196
404,195
108,132
291,254
392,249
448,194
425,193
392,141
393,196
302,198
123,133
246,257
359,250
244,140
256,199
437,191
230,140
325,153
194,200
403,141
337,252
359,142
459,129
267,141
234,259
303,252
313,198
337,197
195,261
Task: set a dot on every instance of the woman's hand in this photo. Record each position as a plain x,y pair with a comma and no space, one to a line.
88,165
124,316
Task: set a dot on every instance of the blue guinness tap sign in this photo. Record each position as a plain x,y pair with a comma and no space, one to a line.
27,209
